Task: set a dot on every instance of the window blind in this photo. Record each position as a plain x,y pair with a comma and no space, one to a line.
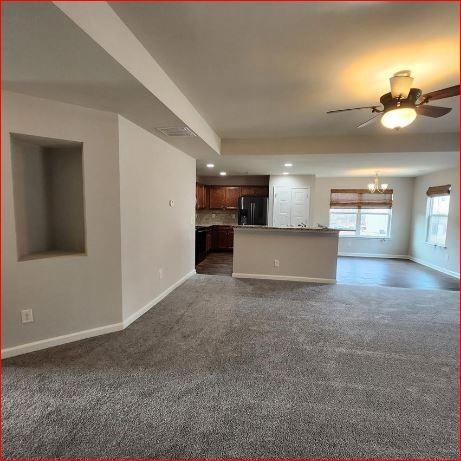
360,198
438,191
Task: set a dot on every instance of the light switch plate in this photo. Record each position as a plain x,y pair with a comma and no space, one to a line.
27,316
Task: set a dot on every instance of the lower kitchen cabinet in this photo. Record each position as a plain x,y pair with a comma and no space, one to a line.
209,240
222,238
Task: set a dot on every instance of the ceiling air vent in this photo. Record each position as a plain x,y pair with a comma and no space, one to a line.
177,131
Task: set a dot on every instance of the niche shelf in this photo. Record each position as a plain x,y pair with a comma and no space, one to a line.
48,196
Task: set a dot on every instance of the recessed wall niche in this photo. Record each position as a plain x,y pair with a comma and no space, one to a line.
48,196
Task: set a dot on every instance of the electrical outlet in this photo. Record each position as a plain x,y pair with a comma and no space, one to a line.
160,273
276,263
27,316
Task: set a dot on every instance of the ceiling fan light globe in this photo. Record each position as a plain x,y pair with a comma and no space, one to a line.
398,118
384,187
371,187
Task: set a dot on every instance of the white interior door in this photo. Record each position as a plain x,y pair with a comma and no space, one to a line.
291,206
299,206
282,207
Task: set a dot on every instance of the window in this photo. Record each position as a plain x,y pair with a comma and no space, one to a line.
437,219
367,222
360,213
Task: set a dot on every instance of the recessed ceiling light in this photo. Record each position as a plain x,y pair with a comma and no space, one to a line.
288,164
223,173
286,172
210,165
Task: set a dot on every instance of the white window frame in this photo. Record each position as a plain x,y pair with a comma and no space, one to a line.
358,213
430,215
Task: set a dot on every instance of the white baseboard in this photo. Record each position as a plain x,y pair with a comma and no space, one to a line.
291,278
433,266
85,334
59,340
129,320
372,255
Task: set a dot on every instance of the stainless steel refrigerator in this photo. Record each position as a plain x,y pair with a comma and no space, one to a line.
252,211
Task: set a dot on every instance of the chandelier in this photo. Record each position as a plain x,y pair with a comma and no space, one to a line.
377,186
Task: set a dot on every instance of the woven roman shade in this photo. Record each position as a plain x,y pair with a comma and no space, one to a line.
360,198
438,191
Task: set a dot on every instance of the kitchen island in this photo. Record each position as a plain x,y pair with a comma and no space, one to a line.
302,254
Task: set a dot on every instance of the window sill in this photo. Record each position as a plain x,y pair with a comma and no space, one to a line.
443,247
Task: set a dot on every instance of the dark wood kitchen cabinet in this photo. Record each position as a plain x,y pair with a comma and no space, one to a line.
217,197
201,196
224,238
232,195
209,240
224,197
255,191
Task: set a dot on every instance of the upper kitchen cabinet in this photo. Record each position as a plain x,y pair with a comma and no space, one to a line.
224,197
217,197
232,195
201,196
255,191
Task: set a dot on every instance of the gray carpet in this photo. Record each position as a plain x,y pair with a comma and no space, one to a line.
229,368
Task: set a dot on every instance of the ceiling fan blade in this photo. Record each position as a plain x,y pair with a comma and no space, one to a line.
352,108
442,94
432,111
370,120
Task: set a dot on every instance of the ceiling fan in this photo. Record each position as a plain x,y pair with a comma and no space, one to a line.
401,106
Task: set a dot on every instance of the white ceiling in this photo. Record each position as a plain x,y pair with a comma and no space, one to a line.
333,165
47,55
267,72
274,69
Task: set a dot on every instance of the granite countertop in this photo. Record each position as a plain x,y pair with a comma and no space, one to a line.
320,230
214,225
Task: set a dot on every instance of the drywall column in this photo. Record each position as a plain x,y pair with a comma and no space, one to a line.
157,202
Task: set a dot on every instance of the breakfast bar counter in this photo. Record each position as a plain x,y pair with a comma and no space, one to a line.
303,254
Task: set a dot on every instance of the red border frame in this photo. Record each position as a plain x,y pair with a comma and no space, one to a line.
2,217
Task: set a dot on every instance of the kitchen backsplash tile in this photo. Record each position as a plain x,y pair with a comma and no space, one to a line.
207,217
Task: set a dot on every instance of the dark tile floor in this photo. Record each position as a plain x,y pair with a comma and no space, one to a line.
216,264
392,273
359,271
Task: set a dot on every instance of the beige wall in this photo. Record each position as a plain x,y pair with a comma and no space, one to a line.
67,293
446,259
65,176
30,197
398,243
154,235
